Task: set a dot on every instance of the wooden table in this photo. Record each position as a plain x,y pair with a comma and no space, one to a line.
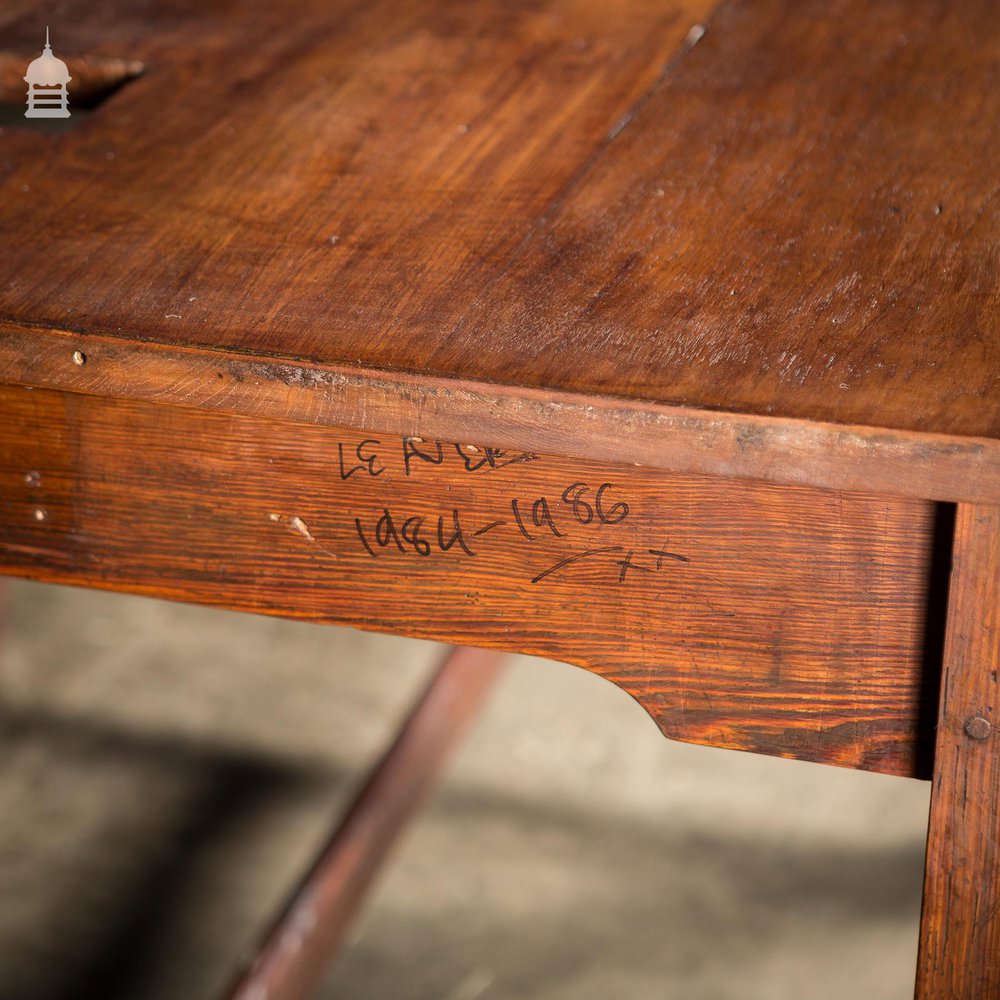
661,338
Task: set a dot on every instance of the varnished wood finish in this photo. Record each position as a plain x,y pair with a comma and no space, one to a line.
780,220
342,174
783,620
794,218
800,220
754,239
294,954
960,925
830,456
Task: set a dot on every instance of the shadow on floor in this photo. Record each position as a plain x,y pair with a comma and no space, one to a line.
106,826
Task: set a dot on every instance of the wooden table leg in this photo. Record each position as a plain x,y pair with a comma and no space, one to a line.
960,926
292,958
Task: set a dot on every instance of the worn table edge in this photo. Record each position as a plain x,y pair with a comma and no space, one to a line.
679,439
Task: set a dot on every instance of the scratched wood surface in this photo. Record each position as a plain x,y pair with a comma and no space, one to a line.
790,216
783,620
960,925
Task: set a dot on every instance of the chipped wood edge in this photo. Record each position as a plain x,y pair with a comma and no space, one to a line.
604,428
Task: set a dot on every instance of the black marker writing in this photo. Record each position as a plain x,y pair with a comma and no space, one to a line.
433,455
573,559
365,461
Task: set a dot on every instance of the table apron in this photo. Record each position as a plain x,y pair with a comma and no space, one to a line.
783,620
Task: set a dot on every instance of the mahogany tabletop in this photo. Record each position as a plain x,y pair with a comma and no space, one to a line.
784,212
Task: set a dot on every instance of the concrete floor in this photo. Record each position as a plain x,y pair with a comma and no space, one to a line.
168,770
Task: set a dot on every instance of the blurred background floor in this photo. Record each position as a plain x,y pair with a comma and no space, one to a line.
167,771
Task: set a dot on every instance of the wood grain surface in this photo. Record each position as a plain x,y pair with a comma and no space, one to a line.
600,428
960,925
295,176
783,620
618,243
794,217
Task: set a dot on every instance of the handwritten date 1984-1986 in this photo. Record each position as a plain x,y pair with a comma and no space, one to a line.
530,519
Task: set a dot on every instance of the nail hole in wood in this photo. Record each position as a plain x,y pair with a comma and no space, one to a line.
79,358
